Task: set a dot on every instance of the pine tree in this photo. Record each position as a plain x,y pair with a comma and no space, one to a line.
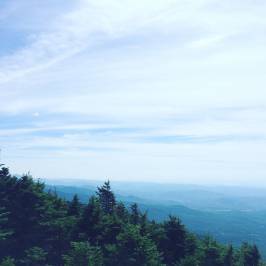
212,253
8,262
229,256
173,245
212,257
111,227
133,249
134,213
82,254
250,255
24,201
106,198
255,255
74,206
35,256
4,232
122,212
90,224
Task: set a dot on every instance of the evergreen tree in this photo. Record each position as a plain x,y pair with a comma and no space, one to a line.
8,262
121,212
74,206
134,213
90,224
106,198
111,227
191,244
34,256
144,224
212,255
133,249
82,254
256,257
173,244
23,199
4,232
250,255
189,261
229,256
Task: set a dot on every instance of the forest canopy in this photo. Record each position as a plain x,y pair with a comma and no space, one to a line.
39,228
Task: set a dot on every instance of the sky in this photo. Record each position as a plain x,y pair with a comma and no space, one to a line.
162,90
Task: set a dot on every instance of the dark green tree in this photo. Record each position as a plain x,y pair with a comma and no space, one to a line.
106,198
34,256
82,254
24,201
173,244
111,227
189,261
4,231
249,255
8,262
229,256
134,213
212,253
133,249
74,207
90,225
121,212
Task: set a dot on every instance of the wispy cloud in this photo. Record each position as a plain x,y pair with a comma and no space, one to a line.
150,86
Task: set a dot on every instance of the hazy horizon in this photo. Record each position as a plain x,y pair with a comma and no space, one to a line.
79,182
158,91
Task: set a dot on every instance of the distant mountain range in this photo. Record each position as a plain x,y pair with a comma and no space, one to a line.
231,214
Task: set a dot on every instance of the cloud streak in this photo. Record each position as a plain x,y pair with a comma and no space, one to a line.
168,89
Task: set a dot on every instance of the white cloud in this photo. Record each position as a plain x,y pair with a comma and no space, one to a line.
163,68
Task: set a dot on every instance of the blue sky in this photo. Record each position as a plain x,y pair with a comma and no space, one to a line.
165,91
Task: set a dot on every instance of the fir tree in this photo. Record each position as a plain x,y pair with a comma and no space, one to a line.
134,213
83,254
212,255
8,262
250,255
74,206
90,224
173,243
229,256
106,198
4,232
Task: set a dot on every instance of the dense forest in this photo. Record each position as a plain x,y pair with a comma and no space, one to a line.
39,228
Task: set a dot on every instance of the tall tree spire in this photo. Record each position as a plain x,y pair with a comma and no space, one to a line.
106,197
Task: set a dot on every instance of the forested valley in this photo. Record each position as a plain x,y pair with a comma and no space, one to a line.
39,228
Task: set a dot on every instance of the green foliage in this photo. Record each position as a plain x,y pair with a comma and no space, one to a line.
134,214
38,228
122,212
4,231
34,256
173,243
212,253
8,262
90,223
82,254
133,249
106,198
188,261
74,207
249,255
229,256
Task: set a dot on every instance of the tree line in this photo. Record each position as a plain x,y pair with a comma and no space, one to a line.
38,228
